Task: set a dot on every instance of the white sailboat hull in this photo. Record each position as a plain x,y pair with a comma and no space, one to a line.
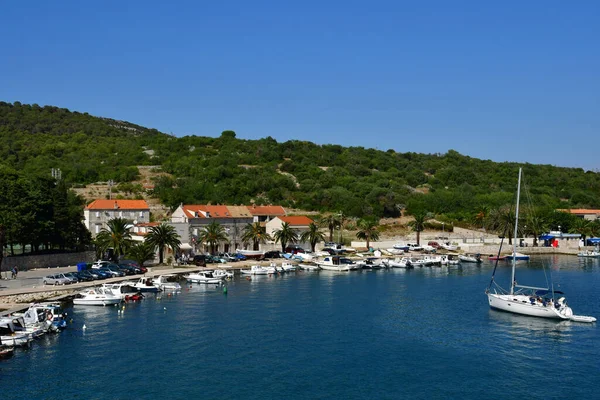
339,268
520,304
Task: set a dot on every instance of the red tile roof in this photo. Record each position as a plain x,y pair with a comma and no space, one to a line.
581,211
118,205
266,210
297,220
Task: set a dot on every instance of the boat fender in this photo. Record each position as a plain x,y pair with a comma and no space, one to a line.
224,289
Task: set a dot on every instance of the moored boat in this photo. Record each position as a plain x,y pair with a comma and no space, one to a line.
167,282
207,277
145,284
529,300
251,253
337,263
96,296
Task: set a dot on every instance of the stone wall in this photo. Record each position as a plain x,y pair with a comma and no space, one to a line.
47,260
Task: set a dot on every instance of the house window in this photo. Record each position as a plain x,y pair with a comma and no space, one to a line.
97,214
141,214
121,214
98,228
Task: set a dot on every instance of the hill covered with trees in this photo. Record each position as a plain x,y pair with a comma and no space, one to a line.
357,181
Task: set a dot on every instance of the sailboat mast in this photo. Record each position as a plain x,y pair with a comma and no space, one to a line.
514,255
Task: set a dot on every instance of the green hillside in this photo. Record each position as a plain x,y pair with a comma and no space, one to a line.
357,181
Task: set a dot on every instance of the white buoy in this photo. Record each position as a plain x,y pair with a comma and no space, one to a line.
84,327
165,308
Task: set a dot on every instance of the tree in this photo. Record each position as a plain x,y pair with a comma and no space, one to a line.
116,236
141,252
161,236
212,235
418,224
368,230
285,235
255,233
331,222
313,236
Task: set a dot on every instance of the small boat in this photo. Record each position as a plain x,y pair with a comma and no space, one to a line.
308,267
337,263
97,296
49,314
395,252
124,290
167,282
251,253
518,256
145,284
259,270
400,262
221,273
498,258
288,267
449,246
401,246
9,335
35,330
471,258
203,277
589,253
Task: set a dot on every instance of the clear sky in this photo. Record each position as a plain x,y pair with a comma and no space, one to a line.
500,80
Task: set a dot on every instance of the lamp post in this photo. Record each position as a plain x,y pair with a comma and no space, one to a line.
443,231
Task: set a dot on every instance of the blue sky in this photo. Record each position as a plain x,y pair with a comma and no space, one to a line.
506,81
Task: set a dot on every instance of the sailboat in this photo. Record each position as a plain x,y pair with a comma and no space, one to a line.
529,300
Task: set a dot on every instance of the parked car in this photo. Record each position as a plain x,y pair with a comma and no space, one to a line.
227,257
140,269
101,263
272,254
98,274
240,257
434,244
127,269
199,260
85,276
294,249
57,279
72,276
414,247
114,272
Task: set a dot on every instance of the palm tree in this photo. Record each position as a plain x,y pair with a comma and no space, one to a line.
213,234
313,236
162,236
255,233
583,227
367,230
141,252
285,235
115,236
418,224
330,221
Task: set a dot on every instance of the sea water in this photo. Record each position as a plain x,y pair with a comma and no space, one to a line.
426,333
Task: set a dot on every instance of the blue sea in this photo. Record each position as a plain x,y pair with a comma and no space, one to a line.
426,333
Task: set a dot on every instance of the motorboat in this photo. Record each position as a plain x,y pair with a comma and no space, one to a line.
259,270
448,246
518,256
146,284
124,290
35,330
532,301
167,282
400,262
401,246
49,314
471,258
589,253
203,277
337,263
309,267
288,267
10,336
395,252
223,274
96,296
